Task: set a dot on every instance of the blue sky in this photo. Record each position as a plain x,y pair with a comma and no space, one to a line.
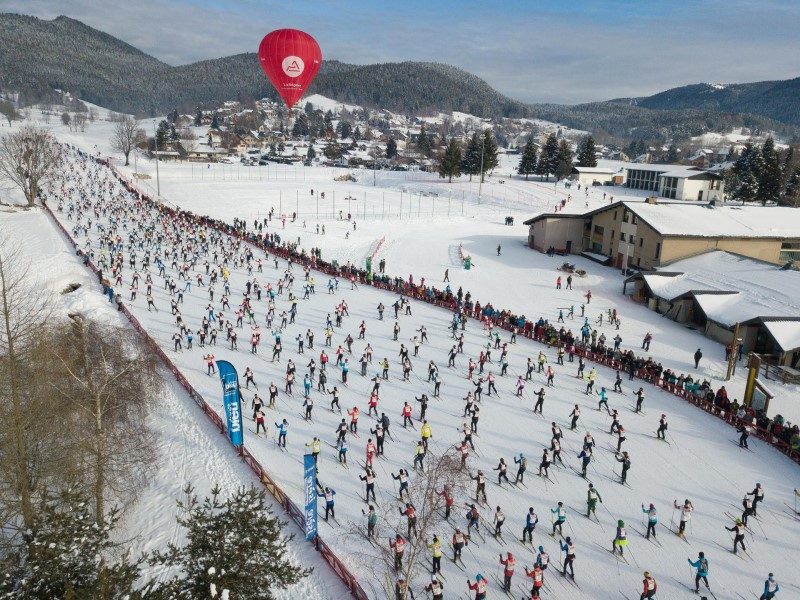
540,51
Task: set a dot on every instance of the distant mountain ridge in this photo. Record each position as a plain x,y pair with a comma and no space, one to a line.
778,100
38,55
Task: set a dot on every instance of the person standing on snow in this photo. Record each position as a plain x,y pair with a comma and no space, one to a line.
771,588
649,587
697,356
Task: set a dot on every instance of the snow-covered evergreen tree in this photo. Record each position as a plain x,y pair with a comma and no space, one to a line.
527,163
769,175
450,162
233,545
488,151
548,157
563,160
65,554
586,152
471,158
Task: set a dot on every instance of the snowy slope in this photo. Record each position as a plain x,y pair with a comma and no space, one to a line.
702,463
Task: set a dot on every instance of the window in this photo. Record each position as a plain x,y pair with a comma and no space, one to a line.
641,242
622,235
597,247
630,239
615,215
790,251
599,230
658,250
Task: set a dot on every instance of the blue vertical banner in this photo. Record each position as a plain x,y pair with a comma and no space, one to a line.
310,480
230,400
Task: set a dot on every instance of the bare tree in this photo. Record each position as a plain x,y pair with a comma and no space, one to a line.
93,114
425,495
187,138
66,119
127,135
109,381
79,121
26,453
29,158
8,111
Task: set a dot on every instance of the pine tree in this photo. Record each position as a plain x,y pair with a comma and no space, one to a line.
424,142
488,152
214,122
563,160
527,163
471,158
300,127
747,190
586,152
672,154
769,177
357,133
65,554
232,544
198,118
311,154
791,196
548,157
450,163
391,149
344,129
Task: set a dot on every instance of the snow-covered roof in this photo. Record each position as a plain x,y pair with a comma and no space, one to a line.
602,170
687,172
702,220
785,333
730,288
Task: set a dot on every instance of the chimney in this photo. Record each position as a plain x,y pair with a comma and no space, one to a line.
651,200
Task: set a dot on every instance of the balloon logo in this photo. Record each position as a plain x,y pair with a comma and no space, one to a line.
290,59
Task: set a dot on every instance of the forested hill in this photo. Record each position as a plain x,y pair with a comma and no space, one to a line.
778,100
37,56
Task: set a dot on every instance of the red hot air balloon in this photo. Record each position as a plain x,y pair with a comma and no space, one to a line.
290,58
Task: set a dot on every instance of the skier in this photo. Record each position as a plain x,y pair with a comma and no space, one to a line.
560,517
372,521
329,503
436,559
758,496
530,525
701,564
523,465
586,458
460,540
539,401
639,399
575,414
502,469
499,519
771,588
436,588
649,587
621,539
509,562
738,529
537,576
744,432
398,545
401,588
592,496
626,464
686,515
479,587
652,519
662,428
569,549
369,479
603,395
480,488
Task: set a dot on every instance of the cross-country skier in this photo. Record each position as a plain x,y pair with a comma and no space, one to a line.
560,517
592,497
530,525
652,519
771,588
738,540
701,564
569,550
686,515
649,587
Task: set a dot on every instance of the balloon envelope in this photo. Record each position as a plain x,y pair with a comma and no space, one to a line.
290,58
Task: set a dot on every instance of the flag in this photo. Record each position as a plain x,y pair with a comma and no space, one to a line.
230,400
310,476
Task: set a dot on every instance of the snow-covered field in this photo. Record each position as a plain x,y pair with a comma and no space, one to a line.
422,239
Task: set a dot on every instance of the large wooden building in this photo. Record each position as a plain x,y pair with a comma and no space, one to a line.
649,234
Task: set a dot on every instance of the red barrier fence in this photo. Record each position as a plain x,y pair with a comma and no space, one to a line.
295,513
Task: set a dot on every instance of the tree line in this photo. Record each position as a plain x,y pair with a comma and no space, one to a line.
766,175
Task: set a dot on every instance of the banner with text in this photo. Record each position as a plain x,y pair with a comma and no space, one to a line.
230,400
311,496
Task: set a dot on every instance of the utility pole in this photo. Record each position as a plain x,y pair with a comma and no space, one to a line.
158,179
480,183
